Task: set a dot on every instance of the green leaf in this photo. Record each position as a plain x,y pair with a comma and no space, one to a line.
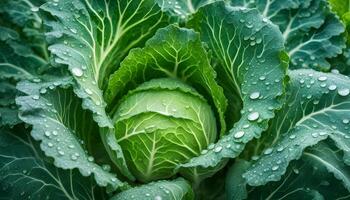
24,17
317,107
319,174
177,189
92,37
26,174
65,130
18,60
251,65
312,33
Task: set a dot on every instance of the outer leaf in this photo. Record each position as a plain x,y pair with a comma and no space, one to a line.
92,37
311,32
317,108
251,65
25,174
17,60
178,189
320,174
64,129
24,15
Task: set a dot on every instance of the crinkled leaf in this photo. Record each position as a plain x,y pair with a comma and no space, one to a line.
178,189
65,130
24,17
317,107
319,174
251,66
311,32
17,60
26,174
92,37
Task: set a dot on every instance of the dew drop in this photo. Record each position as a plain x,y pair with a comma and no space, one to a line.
218,149
344,92
345,121
90,158
34,9
268,151
61,153
239,134
322,78
274,168
50,144
254,95
47,133
88,91
35,97
157,197
292,137
332,87
253,116
77,72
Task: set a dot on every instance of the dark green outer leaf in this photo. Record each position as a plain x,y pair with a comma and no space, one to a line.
66,131
317,108
251,67
92,37
319,174
312,33
178,189
26,174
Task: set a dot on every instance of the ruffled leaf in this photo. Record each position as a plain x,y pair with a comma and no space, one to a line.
251,64
92,37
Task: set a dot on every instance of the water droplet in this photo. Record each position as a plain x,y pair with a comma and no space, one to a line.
147,194
50,144
218,149
322,78
314,135
344,92
239,134
262,78
54,132
90,158
47,133
254,95
35,97
279,149
274,168
73,157
88,91
113,179
157,197
253,116
332,87
345,121
77,72
204,151
292,137
73,30
323,133
61,153
34,9
268,151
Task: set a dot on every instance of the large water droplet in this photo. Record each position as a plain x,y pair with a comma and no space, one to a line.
254,95
253,116
322,78
274,168
344,92
218,149
77,72
332,87
239,134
